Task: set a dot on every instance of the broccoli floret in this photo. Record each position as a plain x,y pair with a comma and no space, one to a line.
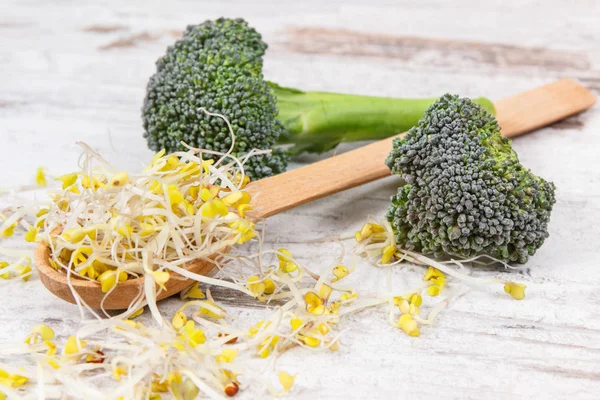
218,66
465,191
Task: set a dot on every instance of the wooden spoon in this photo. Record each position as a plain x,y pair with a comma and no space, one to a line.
516,115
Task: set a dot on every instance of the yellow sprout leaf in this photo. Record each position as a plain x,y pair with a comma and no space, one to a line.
236,199
323,328
137,313
174,377
324,292
348,296
335,346
51,347
242,208
515,290
73,235
159,386
433,290
189,208
185,390
284,255
155,187
174,195
388,253
194,292
288,267
245,230
123,228
119,179
408,325
53,363
117,372
269,286
24,271
9,230
439,281
194,191
242,182
255,286
206,164
403,306
310,341
287,381
158,155
416,299
31,234
146,229
414,310
212,310
74,345
334,307
193,335
40,177
40,331
256,328
207,193
227,356
80,256
67,180
179,320
4,275
285,261
94,182
108,279
161,277
314,303
12,380
213,208
433,273
296,323
340,272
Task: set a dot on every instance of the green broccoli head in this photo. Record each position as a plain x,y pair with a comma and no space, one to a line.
216,65
466,193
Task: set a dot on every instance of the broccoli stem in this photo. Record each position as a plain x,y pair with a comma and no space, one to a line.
319,121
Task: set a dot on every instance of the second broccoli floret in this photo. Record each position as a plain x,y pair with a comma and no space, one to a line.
466,192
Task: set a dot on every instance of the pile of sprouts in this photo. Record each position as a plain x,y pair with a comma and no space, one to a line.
108,226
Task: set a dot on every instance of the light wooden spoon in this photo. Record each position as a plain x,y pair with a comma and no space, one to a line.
516,115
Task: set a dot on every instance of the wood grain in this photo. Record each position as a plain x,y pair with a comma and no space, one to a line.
350,43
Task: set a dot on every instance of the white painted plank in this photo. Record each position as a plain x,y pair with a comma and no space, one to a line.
59,86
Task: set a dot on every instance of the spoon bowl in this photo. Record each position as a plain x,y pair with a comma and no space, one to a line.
122,296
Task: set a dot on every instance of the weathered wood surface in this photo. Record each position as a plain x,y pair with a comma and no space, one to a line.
72,72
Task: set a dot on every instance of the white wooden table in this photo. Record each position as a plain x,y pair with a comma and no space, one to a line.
73,72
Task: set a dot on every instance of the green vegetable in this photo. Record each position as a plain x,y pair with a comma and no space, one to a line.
217,65
465,191
319,121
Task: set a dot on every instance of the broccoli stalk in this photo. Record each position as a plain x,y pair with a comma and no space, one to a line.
319,121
